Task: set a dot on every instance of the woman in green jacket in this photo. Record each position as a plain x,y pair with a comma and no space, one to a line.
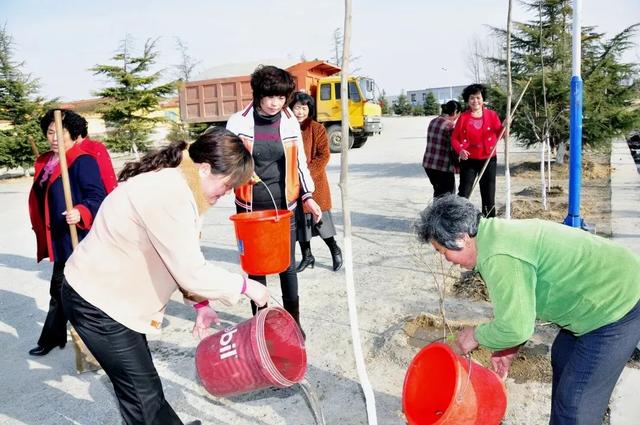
587,285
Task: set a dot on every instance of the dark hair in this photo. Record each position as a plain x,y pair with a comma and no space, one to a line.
451,107
217,146
304,99
474,89
75,124
271,81
447,220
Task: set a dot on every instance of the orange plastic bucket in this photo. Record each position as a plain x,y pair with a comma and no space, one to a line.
264,241
266,350
441,387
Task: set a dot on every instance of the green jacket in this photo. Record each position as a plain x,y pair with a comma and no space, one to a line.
539,269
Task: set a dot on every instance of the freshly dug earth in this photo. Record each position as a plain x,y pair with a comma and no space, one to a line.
531,364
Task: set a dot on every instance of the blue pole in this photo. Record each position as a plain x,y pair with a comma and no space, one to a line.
573,218
575,154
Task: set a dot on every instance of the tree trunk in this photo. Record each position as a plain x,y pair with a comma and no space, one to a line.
348,251
507,174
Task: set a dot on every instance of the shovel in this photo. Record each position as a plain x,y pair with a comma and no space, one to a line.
85,361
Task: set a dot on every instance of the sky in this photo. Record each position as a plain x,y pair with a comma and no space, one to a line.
402,44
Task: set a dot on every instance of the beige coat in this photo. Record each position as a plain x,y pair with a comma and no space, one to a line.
144,244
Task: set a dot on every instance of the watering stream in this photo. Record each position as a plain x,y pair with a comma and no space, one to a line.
314,403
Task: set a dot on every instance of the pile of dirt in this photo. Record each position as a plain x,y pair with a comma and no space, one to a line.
594,167
532,363
470,285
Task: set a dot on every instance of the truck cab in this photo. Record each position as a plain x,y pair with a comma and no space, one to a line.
364,113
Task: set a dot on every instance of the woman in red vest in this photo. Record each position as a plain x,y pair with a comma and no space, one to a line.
474,137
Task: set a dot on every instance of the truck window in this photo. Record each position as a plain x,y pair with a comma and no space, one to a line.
325,91
354,94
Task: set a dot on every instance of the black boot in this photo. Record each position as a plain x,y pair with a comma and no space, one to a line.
336,253
307,258
293,308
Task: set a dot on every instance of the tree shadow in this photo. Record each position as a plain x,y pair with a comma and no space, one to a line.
383,170
212,253
36,389
27,264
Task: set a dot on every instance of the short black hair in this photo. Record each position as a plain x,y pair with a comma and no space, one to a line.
473,89
271,81
75,124
451,107
304,99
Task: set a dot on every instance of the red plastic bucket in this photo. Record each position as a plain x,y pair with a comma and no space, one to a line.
264,241
266,350
439,389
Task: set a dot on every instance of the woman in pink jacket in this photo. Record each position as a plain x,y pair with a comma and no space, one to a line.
474,137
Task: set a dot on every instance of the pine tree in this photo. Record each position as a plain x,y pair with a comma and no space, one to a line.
132,98
20,106
384,104
609,85
431,106
401,105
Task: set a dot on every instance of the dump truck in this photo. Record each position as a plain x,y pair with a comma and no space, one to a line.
214,100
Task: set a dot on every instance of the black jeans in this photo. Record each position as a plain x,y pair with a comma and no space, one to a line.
469,170
443,182
54,330
124,355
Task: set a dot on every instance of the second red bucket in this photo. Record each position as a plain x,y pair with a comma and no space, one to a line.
441,387
264,241
266,350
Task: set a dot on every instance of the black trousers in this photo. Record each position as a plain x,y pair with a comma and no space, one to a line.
469,170
443,182
125,357
54,331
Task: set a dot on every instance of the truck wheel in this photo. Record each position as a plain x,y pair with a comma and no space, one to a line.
359,142
334,133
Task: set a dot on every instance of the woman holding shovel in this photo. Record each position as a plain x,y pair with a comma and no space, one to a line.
144,244
271,133
587,285
474,138
49,216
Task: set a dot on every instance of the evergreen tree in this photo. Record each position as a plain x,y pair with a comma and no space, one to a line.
384,104
132,98
610,87
401,105
431,106
417,110
20,106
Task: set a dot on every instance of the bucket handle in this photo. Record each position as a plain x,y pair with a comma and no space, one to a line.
466,386
275,206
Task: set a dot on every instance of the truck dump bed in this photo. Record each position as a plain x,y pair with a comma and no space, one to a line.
215,100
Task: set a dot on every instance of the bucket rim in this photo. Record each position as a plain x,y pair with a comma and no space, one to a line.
262,215
281,380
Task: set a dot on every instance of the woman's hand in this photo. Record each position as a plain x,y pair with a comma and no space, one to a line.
205,316
314,208
73,216
466,340
257,292
463,155
501,361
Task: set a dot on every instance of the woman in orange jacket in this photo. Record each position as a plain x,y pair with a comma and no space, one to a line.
316,149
